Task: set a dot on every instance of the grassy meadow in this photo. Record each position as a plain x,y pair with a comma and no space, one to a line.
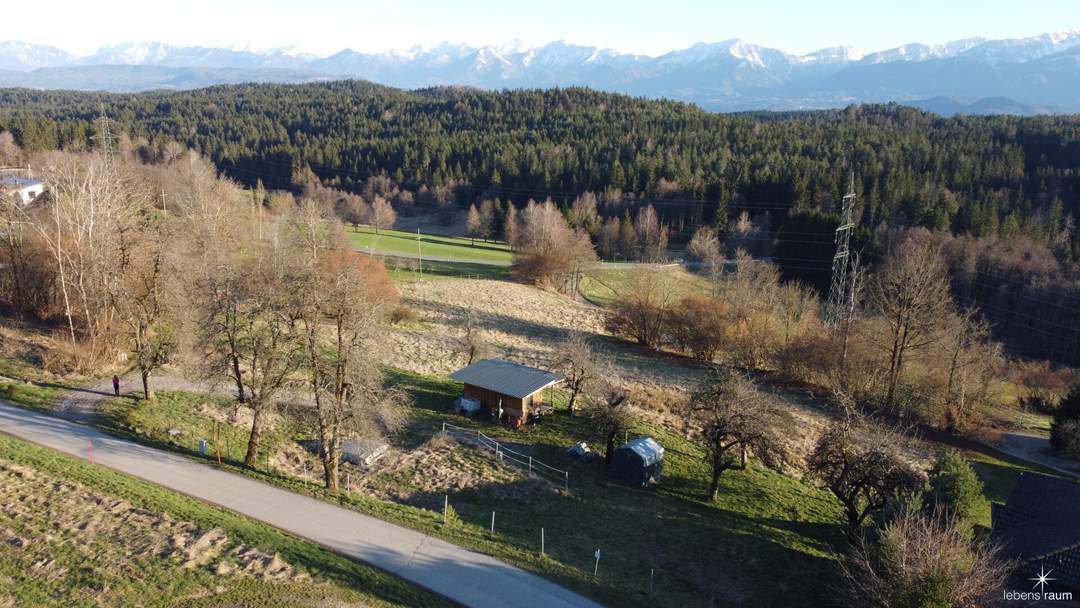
435,246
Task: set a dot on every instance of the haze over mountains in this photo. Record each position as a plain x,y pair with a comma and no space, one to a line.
1040,74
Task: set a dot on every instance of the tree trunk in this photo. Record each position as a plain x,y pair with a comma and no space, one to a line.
148,391
328,454
239,378
570,404
714,485
251,458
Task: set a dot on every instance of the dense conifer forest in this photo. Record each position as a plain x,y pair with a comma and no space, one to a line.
1001,193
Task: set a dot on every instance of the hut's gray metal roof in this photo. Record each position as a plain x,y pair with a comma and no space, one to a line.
647,448
506,377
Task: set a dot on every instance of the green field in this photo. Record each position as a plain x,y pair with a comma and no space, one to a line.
407,269
90,564
449,247
602,286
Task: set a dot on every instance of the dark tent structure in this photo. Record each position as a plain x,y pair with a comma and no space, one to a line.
639,462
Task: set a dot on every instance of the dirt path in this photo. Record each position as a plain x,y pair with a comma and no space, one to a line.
83,404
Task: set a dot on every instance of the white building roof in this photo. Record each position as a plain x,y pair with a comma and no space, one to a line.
506,377
20,183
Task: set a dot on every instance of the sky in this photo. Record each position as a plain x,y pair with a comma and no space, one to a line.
646,27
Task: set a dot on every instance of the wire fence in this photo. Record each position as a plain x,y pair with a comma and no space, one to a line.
505,454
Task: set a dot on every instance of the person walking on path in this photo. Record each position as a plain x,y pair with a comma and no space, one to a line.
116,385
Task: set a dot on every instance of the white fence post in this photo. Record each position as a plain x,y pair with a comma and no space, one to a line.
493,523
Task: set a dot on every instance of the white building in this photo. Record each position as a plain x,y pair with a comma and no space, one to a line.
25,189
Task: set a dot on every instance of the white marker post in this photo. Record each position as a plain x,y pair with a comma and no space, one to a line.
445,506
541,541
493,523
596,566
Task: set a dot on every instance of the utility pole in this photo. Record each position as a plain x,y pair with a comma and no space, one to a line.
834,307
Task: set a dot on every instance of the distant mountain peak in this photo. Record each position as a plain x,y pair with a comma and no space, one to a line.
1037,72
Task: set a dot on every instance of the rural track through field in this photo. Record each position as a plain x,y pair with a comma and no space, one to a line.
464,576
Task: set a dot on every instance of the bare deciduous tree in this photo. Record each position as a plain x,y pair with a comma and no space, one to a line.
383,215
579,365
346,296
512,226
916,560
652,233
728,418
549,252
487,219
473,224
642,308
473,342
142,295
706,247
911,291
583,214
972,360
860,463
608,408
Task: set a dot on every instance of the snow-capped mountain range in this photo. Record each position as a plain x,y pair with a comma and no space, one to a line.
1036,74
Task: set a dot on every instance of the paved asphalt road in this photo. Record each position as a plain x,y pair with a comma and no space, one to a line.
459,574
1035,448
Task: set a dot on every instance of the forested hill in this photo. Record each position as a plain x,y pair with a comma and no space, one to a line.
982,175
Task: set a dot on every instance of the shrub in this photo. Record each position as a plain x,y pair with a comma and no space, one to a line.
402,314
696,326
955,490
1066,437
1065,430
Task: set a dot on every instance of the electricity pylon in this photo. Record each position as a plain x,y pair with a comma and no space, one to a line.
835,306
104,137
